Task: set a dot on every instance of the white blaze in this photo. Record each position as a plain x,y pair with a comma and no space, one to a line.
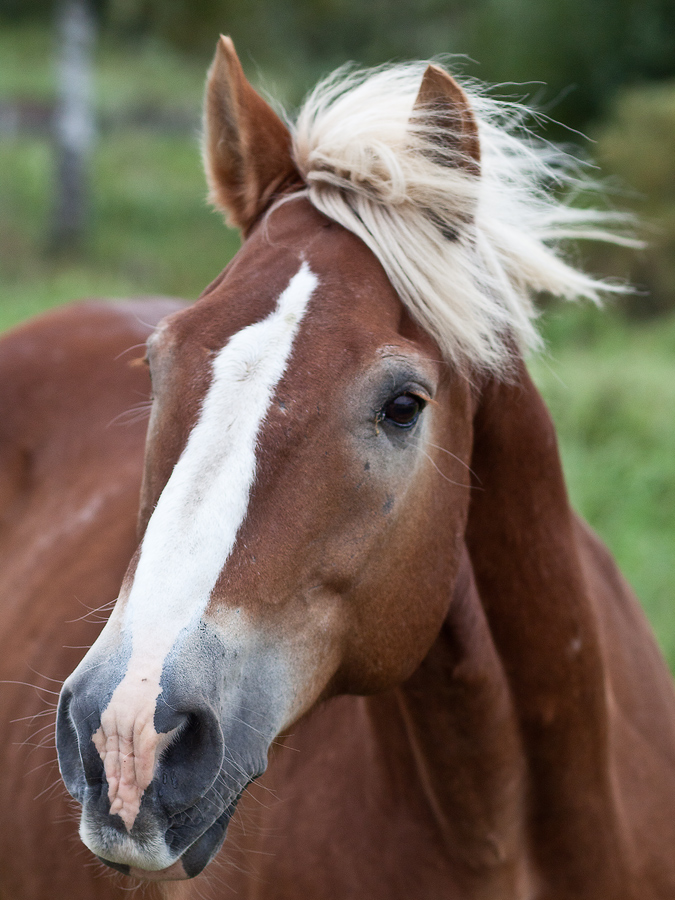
193,528
190,535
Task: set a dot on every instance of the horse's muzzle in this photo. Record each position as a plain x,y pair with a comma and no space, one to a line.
200,772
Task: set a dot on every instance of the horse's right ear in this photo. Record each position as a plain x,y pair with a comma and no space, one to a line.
440,95
246,146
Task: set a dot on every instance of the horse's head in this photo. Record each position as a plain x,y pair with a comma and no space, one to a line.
306,445
307,470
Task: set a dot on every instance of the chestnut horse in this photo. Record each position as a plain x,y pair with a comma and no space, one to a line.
359,581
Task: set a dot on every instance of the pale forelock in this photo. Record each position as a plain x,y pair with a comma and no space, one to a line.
466,254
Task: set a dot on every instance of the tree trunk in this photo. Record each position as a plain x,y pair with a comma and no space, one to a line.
74,129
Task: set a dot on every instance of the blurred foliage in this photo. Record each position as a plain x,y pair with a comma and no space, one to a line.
636,144
582,50
151,230
610,388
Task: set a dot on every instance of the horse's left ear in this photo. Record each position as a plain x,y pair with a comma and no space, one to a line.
440,94
246,146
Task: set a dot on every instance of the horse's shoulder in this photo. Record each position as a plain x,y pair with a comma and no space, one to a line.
66,387
69,366
622,621
70,471
638,684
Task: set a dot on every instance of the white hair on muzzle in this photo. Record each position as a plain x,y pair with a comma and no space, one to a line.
465,252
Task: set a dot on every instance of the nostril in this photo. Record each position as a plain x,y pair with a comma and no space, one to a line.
190,762
67,747
185,741
79,762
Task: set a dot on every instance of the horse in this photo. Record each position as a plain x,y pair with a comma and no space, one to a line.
364,648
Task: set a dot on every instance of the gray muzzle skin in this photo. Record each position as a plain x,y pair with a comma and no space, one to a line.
220,707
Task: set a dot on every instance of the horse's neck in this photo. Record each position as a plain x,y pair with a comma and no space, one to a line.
464,749
508,714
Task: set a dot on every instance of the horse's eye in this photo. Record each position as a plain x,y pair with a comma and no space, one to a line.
403,410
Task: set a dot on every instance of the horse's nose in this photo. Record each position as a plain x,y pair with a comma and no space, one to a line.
191,756
182,757
80,764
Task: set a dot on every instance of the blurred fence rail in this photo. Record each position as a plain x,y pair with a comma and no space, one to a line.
35,117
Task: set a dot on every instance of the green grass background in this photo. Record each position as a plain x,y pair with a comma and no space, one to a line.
609,381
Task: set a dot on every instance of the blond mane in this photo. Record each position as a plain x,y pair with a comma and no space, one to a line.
466,254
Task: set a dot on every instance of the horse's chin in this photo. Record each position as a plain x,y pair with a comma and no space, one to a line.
176,872
129,859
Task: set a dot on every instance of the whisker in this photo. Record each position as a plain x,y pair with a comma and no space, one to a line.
90,611
58,681
129,349
442,474
37,715
50,788
454,456
35,687
132,414
248,725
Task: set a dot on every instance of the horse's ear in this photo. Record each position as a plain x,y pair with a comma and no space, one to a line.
247,148
457,132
